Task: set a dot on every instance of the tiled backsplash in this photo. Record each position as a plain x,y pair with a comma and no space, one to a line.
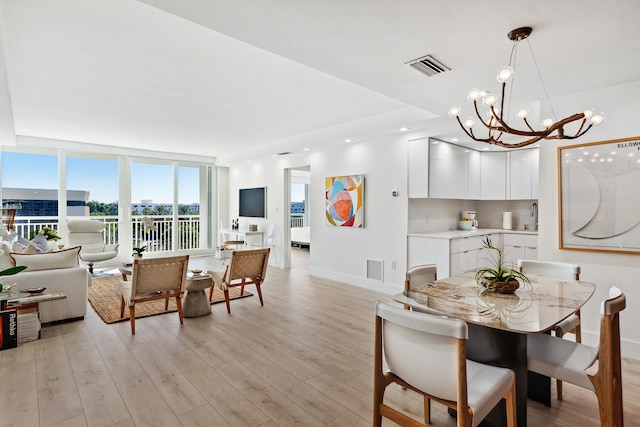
432,215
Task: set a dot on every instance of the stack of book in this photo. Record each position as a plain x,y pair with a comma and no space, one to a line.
28,324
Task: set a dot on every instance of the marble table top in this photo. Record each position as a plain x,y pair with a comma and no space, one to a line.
531,309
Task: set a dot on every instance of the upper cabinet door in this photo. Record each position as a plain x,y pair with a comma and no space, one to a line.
418,168
523,175
448,171
493,175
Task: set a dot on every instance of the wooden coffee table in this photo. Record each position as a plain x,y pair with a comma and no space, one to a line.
126,269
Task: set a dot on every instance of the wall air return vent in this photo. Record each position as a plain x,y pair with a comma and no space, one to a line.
428,65
374,269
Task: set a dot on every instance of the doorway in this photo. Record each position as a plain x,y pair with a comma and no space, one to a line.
298,217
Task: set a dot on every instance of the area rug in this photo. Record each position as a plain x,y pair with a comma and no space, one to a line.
104,297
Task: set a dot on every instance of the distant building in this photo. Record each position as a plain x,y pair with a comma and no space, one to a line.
297,207
41,202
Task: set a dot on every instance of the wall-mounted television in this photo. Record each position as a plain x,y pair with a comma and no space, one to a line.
253,202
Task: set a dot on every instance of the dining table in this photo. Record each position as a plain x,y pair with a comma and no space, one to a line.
499,323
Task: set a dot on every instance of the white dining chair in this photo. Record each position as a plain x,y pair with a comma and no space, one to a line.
595,368
420,275
427,354
561,271
270,242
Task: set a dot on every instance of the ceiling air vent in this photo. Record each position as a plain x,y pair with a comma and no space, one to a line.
428,65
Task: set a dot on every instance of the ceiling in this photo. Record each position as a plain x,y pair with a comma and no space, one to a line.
245,79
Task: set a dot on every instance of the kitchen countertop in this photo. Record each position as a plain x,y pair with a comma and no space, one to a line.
457,234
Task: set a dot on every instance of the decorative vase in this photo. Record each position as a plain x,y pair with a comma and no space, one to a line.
500,287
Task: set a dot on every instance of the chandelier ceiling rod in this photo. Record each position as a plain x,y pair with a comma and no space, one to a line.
497,126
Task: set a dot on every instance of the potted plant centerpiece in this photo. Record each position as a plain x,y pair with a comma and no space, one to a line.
499,277
137,251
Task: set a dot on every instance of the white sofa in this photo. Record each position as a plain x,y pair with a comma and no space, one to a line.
57,271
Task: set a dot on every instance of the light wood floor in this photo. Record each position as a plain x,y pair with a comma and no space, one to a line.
304,359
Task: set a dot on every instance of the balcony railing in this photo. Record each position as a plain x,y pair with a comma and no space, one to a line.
155,231
298,220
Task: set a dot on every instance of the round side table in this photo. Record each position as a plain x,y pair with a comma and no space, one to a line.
195,303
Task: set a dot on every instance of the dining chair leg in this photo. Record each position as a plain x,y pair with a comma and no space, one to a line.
132,318
259,293
166,303
510,400
559,334
211,290
226,300
121,306
427,410
179,305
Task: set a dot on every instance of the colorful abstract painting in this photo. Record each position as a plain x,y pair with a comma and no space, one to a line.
344,197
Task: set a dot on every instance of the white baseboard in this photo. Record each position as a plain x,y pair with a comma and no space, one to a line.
374,285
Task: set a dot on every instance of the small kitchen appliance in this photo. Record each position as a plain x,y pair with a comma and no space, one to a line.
468,221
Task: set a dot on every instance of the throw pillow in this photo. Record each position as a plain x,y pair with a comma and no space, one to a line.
53,245
40,242
17,247
65,258
29,250
5,260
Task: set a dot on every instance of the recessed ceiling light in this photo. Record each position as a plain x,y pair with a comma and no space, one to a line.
307,149
348,140
404,129
454,140
274,155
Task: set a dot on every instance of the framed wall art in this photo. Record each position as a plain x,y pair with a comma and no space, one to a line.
344,201
599,196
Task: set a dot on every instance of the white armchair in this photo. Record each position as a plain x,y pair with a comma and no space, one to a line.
88,235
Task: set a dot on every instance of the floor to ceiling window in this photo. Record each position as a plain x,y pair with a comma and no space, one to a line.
30,186
92,188
167,205
152,205
158,202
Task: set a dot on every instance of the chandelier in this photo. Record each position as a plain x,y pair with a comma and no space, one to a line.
498,128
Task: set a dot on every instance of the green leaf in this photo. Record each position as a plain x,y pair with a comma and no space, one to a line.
12,270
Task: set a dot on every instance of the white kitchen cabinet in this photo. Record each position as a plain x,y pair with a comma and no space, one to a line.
468,253
428,250
418,168
523,174
519,246
448,171
493,175
473,191
459,254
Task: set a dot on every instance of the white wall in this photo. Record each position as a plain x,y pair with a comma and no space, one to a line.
341,253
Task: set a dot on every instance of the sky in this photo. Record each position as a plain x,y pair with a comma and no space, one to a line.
100,177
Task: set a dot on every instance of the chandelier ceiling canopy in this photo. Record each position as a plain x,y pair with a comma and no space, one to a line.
498,130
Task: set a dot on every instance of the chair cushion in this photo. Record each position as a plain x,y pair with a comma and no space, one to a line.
560,358
65,258
97,256
485,387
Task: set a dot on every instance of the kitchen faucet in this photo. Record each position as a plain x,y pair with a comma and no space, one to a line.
534,214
